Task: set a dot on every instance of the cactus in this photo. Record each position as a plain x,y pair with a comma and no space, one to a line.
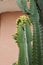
35,54
39,4
23,38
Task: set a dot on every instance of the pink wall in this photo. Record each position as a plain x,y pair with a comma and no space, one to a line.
8,48
0,28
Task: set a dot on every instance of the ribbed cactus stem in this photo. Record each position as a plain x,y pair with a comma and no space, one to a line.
26,47
36,34
23,38
33,13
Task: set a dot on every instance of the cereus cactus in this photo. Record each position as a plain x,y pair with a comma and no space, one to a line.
33,55
23,38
